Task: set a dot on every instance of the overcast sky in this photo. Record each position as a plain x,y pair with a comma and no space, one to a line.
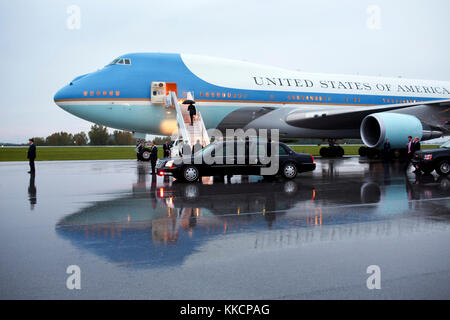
42,49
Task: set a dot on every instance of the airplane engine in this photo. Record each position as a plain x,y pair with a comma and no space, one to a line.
377,127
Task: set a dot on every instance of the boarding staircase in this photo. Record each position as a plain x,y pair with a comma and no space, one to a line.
186,131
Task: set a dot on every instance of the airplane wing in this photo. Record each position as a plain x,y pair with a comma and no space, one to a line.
434,113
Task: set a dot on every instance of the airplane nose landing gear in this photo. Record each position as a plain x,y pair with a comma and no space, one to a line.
142,150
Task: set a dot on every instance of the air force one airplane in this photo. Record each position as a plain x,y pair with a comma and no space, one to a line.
131,92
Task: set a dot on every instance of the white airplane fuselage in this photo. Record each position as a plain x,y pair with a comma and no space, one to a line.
235,94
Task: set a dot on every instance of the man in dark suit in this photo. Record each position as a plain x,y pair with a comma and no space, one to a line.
416,144
410,152
31,155
197,146
416,147
192,113
153,156
139,148
186,149
166,149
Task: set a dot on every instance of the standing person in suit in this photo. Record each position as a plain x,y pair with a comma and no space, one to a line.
153,156
197,146
410,152
416,144
416,147
186,150
31,155
166,149
192,113
139,148
409,145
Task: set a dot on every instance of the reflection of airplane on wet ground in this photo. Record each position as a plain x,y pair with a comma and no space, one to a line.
164,224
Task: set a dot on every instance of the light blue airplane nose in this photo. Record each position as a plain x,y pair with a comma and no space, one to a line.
63,96
69,92
68,98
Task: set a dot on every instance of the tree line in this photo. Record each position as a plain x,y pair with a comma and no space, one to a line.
97,136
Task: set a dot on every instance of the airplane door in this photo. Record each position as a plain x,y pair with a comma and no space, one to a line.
171,86
158,92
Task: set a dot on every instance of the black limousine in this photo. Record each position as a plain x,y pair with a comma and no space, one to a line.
191,168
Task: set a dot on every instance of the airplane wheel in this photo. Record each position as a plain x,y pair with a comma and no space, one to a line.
324,152
289,171
331,152
443,168
191,173
362,151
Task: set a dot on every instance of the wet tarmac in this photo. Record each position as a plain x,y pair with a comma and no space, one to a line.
137,237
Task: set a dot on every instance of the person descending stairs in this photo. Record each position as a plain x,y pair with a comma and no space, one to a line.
192,112
191,127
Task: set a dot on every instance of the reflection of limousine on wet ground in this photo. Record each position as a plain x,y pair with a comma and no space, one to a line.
191,168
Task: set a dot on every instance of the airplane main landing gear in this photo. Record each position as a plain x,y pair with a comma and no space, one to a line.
370,153
333,151
373,154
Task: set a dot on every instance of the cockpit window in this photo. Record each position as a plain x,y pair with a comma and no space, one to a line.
121,61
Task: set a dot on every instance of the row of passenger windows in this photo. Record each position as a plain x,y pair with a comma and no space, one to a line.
244,95
101,93
223,95
308,98
400,101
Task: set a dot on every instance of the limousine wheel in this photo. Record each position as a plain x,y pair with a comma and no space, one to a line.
289,171
443,168
190,173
